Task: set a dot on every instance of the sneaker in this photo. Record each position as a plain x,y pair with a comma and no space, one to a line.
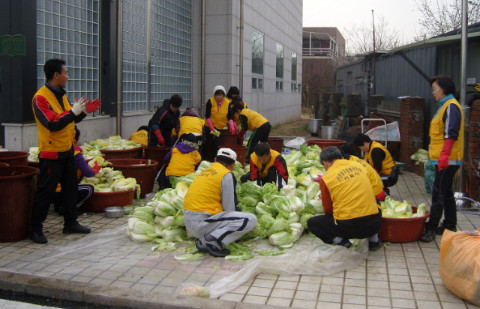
211,249
374,246
38,237
439,230
75,228
344,243
428,236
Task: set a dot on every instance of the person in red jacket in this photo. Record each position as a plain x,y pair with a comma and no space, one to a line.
267,165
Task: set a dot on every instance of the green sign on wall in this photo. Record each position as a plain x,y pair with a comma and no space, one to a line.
12,45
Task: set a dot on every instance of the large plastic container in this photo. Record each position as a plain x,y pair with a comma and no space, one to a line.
135,153
276,143
402,229
228,138
241,152
324,143
17,187
156,153
101,200
14,157
143,170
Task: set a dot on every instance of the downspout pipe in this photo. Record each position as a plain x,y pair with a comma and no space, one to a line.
240,54
202,60
119,65
461,186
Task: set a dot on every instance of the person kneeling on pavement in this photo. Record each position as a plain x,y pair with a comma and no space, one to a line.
351,209
210,210
267,165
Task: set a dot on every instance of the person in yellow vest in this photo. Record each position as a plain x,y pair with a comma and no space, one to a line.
233,92
190,122
181,160
253,121
446,152
84,191
216,118
375,154
56,118
267,165
377,184
140,136
210,210
351,209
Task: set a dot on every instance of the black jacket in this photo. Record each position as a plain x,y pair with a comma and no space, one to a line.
165,120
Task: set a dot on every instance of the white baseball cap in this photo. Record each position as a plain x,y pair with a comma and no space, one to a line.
227,152
219,87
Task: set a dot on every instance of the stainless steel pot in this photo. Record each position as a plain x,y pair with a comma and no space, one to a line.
314,125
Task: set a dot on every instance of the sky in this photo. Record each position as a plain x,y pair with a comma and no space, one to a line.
401,15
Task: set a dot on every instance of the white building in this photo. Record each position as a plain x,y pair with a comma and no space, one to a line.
165,47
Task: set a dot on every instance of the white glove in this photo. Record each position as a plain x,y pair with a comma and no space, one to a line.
79,106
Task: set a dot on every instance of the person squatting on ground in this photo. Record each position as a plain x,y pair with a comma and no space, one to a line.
164,121
190,122
181,160
56,118
140,136
84,191
446,152
253,121
375,154
351,209
210,209
216,118
377,184
267,165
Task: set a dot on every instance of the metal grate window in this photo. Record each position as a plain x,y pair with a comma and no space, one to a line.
170,52
69,30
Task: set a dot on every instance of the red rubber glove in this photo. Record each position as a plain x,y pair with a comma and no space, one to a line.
381,196
210,125
232,127
159,136
442,162
96,168
92,105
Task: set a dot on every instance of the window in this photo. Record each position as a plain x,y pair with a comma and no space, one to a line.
294,66
69,30
257,60
279,67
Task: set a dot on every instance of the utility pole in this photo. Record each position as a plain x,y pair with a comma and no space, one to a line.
374,79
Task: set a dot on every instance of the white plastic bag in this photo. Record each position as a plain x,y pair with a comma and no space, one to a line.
378,133
295,143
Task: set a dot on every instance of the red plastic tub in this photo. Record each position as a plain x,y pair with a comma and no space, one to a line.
139,169
14,157
156,153
402,229
229,139
17,187
324,143
101,200
241,152
135,153
276,143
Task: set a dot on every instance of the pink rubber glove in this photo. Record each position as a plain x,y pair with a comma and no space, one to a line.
442,162
210,125
232,126
159,136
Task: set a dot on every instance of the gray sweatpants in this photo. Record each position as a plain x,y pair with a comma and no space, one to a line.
226,227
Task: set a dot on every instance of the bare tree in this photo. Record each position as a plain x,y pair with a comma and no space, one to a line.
441,16
359,38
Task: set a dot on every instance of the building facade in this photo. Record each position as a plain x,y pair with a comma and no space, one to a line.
133,54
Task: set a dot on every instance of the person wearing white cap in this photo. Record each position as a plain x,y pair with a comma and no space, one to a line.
210,210
216,118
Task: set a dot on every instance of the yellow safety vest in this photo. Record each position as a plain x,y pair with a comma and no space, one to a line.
350,189
191,124
54,141
204,194
374,177
140,137
182,164
254,119
387,164
219,117
437,135
264,173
